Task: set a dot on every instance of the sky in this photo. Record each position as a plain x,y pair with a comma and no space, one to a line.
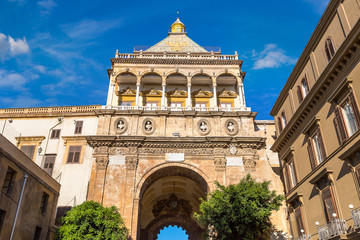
55,53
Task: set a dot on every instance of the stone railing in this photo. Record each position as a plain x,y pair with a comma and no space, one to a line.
356,217
39,110
177,56
202,109
334,228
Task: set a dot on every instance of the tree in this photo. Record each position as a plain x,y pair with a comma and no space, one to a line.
240,211
90,220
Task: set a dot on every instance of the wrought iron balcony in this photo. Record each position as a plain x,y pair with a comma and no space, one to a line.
334,228
204,109
356,217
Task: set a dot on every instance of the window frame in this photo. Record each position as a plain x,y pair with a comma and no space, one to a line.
74,154
329,48
78,127
341,120
328,216
46,169
313,154
55,134
44,203
298,212
11,182
31,156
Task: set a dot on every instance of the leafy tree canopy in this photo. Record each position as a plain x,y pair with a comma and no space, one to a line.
90,220
240,211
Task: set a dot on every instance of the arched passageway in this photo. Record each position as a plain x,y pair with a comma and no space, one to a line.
170,196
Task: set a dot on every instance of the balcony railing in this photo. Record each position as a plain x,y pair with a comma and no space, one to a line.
303,237
334,228
178,109
356,217
177,56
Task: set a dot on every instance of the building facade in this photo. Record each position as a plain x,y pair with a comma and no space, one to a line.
28,197
317,121
175,122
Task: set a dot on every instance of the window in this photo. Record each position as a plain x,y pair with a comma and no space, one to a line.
282,121
49,163
299,221
303,89
9,181
74,154
37,233
44,203
2,218
78,127
329,49
55,133
316,149
126,104
329,204
347,120
28,150
279,124
290,175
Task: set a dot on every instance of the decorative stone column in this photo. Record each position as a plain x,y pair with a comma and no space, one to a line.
137,95
98,177
163,104
220,165
189,104
214,92
241,90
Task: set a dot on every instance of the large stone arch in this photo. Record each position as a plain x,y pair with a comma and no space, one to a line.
174,210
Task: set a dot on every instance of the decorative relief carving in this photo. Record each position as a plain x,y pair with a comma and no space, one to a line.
102,162
250,162
173,207
203,127
131,162
148,126
121,125
227,94
231,127
233,149
220,163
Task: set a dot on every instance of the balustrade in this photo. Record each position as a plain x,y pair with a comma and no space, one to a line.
334,228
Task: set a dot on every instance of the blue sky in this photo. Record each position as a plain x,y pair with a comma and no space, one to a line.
55,53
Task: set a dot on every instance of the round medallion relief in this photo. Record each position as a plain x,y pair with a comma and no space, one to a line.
121,125
148,126
203,127
231,127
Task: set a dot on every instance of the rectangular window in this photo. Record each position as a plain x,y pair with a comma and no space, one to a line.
2,218
78,127
29,150
9,181
74,154
304,87
49,163
293,178
329,204
283,119
37,233
44,203
55,134
316,149
279,124
299,221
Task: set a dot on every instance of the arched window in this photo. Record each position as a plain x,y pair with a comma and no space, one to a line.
329,49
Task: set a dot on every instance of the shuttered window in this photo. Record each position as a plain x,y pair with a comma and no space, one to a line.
299,93
299,221
347,118
28,150
9,181
316,149
279,124
78,127
74,154
44,203
329,204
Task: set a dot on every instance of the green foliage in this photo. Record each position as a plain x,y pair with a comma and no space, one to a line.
240,211
90,220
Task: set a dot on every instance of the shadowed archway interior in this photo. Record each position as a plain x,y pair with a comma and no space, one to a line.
170,196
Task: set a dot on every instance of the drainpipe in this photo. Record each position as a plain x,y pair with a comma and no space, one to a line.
18,206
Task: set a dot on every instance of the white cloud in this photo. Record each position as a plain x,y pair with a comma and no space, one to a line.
10,47
318,5
12,80
40,68
46,6
271,57
90,29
